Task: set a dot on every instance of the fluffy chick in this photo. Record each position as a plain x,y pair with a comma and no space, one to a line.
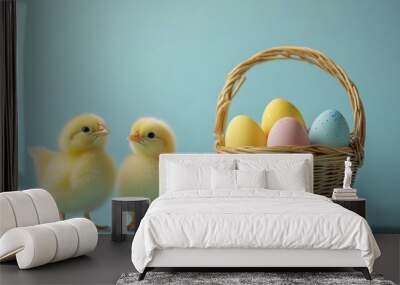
80,176
138,175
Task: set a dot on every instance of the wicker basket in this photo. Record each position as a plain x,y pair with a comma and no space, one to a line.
328,161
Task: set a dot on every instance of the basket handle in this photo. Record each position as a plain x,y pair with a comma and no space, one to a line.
236,78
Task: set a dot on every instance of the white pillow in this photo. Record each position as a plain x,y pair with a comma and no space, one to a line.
223,179
184,175
182,178
251,178
226,179
291,179
281,174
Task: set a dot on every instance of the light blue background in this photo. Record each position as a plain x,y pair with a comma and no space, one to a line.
125,59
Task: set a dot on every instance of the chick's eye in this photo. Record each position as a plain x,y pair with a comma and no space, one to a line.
151,135
85,129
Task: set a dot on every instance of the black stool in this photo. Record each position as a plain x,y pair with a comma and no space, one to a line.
139,205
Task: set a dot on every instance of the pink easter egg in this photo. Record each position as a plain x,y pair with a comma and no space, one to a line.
287,131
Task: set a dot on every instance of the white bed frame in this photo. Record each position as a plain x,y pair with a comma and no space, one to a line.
246,258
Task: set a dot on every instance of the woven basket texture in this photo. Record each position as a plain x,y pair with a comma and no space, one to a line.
328,160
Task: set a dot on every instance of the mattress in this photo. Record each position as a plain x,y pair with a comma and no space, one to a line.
250,219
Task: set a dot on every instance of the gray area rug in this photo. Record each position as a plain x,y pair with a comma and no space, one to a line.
229,278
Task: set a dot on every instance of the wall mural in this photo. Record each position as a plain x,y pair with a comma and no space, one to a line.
131,60
81,175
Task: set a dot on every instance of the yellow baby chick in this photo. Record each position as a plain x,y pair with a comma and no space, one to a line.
81,174
138,175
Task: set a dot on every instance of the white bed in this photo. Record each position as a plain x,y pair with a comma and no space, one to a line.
250,227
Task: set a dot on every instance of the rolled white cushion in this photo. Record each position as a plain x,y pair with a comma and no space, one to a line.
34,245
46,207
87,235
7,218
67,240
41,244
23,208
26,208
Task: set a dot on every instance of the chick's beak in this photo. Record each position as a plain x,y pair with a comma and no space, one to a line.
135,137
101,130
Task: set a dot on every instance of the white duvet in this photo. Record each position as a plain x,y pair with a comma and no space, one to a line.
250,219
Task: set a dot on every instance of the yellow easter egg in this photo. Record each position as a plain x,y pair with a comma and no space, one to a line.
244,131
278,109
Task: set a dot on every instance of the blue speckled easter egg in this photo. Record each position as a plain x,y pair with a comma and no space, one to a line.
330,128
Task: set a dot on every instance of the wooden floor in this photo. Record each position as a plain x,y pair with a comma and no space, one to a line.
110,260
